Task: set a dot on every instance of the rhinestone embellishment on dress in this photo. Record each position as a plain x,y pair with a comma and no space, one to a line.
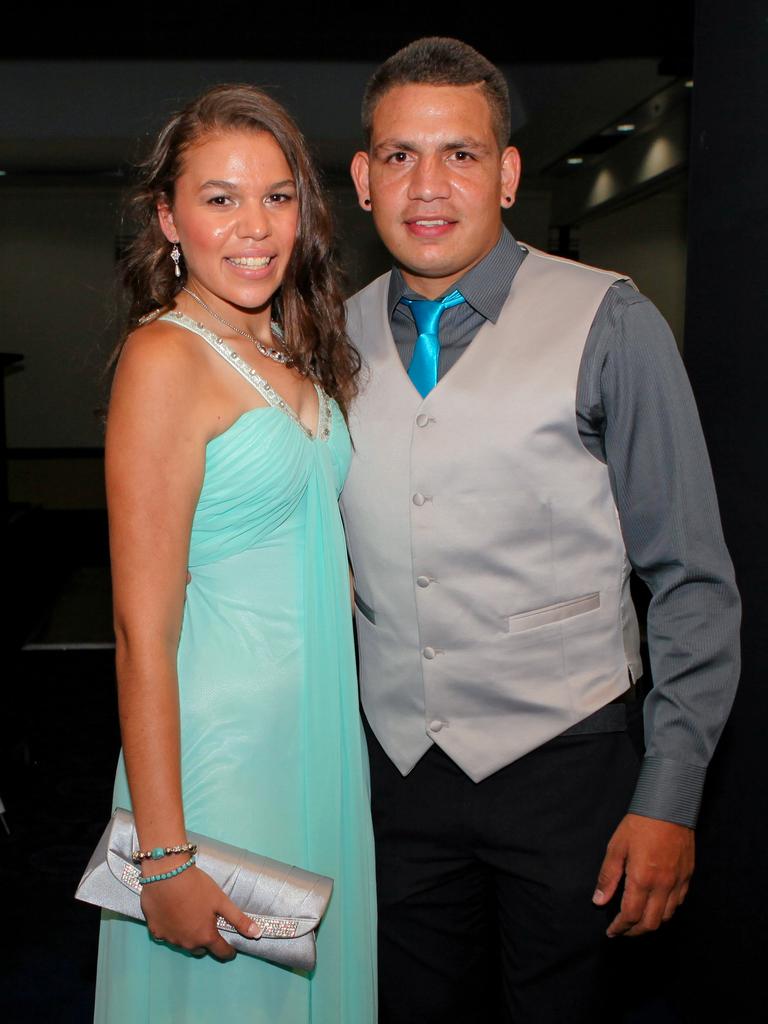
264,388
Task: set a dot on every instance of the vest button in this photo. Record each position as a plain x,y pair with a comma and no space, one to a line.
429,653
418,499
423,581
422,419
436,725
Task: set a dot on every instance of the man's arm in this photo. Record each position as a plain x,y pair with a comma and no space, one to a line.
636,412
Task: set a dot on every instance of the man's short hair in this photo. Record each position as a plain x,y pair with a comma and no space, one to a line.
437,60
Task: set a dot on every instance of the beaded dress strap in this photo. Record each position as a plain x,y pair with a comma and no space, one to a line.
263,386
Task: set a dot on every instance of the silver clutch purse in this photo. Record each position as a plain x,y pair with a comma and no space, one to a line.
288,902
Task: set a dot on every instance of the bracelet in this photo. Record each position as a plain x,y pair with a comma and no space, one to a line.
162,851
167,874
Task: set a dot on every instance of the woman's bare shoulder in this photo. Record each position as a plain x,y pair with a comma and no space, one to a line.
160,365
161,340
161,346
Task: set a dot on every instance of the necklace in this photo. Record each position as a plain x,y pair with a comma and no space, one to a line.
270,353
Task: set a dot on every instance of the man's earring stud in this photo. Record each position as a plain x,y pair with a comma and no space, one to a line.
366,202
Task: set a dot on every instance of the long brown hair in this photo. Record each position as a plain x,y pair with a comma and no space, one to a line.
309,302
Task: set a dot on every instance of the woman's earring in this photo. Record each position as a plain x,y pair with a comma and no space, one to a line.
176,256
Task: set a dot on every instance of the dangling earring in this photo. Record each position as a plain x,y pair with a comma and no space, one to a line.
176,256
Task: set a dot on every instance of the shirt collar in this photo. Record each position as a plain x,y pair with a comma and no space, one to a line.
485,287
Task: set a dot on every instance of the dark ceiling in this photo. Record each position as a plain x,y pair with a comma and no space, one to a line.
273,30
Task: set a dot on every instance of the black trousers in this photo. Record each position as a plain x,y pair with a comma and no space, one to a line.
485,911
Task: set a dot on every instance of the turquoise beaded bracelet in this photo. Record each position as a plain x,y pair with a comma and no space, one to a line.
168,874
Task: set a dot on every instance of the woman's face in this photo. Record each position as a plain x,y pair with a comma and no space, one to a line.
235,214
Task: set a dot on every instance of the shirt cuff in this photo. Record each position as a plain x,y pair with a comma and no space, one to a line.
669,790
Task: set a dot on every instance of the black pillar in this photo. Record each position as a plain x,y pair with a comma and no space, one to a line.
721,934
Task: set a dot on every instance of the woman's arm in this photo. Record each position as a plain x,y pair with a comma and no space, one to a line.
155,457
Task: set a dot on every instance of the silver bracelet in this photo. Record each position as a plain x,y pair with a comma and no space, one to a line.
162,851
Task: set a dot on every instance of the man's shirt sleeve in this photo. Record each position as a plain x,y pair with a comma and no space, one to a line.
636,412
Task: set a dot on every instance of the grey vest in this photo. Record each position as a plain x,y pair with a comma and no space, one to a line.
493,607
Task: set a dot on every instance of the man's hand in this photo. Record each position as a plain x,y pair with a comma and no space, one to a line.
657,858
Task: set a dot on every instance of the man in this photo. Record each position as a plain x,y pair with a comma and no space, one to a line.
545,443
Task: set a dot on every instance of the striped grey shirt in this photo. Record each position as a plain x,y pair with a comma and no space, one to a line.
635,412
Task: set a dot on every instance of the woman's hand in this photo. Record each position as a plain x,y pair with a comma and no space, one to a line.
182,911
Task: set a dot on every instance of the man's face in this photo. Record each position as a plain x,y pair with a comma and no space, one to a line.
436,181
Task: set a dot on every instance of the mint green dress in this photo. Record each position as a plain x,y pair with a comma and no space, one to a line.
273,757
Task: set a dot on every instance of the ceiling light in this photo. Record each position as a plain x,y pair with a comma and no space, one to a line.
689,84
627,126
574,161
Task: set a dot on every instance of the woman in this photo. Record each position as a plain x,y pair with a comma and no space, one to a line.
226,449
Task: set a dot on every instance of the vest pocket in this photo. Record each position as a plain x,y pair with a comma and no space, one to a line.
552,613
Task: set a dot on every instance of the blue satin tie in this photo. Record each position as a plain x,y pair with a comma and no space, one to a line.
427,313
